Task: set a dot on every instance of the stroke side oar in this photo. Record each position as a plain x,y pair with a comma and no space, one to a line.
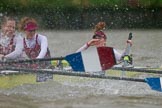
92,59
154,83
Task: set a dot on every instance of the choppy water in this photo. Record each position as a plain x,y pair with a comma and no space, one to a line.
91,93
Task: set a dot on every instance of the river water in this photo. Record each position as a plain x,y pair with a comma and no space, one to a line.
89,93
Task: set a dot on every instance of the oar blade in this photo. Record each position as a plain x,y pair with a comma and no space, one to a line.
155,83
75,61
92,60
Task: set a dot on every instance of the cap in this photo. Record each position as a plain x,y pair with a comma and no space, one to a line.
30,26
99,34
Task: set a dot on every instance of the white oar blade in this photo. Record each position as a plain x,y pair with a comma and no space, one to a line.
155,83
92,59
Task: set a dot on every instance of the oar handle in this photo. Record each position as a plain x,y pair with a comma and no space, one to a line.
130,36
127,49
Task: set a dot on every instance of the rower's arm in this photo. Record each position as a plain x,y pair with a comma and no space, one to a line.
44,46
18,49
84,47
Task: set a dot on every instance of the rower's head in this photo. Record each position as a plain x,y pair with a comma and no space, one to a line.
99,35
8,25
100,26
29,26
100,40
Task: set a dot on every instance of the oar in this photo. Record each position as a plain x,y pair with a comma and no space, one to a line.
32,60
154,83
127,53
128,45
138,70
76,66
92,59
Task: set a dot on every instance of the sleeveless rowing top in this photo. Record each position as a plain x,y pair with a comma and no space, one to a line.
32,53
7,49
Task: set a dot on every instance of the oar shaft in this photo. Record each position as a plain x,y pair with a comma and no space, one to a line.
79,74
31,60
153,82
138,70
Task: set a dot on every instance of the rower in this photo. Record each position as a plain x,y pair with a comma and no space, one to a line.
99,40
10,41
35,44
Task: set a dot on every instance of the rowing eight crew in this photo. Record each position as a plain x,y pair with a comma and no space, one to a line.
13,44
35,45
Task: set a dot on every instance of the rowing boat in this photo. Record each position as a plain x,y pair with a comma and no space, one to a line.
91,63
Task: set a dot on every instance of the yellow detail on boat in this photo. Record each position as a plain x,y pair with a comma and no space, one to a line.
63,62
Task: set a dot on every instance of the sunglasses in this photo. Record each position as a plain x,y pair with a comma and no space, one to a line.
97,37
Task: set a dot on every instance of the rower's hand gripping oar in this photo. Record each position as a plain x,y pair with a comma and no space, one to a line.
126,58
